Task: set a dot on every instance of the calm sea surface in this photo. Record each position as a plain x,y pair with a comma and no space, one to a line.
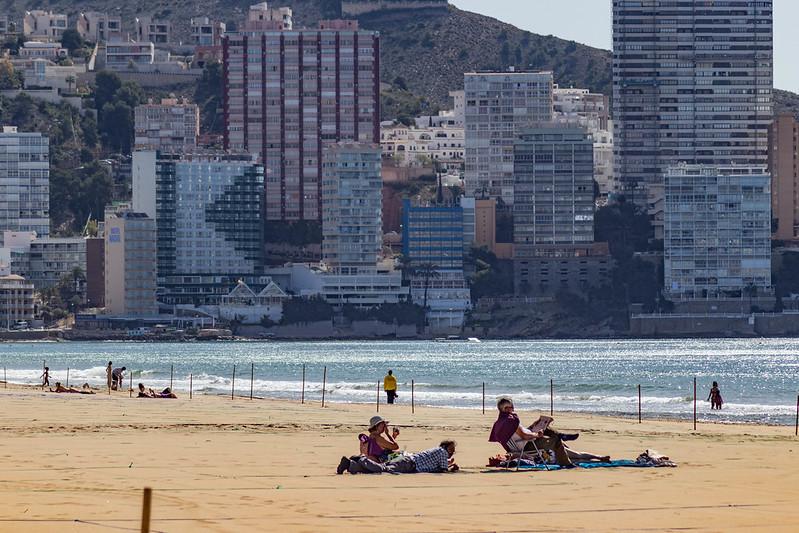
759,379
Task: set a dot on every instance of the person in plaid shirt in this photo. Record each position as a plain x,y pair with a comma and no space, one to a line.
433,460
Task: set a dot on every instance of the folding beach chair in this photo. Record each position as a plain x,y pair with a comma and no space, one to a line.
512,447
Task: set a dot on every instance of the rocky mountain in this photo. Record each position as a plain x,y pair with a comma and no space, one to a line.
425,50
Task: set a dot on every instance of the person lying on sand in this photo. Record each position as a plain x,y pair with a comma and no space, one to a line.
150,393
435,460
517,440
60,388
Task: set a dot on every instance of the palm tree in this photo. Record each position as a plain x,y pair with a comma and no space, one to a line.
428,271
751,291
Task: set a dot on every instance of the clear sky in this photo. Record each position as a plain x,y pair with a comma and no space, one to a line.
589,22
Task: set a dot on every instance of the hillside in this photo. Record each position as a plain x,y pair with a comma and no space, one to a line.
430,53
428,49
424,52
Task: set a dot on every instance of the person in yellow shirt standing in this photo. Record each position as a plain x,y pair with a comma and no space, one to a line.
390,386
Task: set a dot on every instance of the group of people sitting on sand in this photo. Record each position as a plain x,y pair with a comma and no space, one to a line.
538,443
380,452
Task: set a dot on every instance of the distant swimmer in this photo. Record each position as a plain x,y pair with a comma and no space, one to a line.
714,397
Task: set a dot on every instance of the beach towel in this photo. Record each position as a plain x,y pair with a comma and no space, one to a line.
619,463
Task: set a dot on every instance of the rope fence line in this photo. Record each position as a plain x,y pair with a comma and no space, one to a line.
692,399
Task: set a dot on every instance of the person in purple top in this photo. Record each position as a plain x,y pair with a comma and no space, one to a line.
509,432
374,448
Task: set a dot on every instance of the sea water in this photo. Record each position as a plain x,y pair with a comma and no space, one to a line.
759,378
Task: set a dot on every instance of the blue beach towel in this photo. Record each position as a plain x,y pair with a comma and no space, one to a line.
528,465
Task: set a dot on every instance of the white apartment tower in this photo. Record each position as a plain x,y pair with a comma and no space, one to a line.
352,208
717,230
130,264
692,82
24,181
498,105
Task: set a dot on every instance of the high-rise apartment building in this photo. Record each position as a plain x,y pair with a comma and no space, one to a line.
24,181
553,212
692,82
207,208
717,230
432,235
288,94
130,264
352,225
171,126
498,105
554,186
784,169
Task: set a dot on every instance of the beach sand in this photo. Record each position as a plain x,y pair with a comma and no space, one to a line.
79,463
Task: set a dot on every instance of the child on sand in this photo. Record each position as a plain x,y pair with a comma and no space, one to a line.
46,377
715,396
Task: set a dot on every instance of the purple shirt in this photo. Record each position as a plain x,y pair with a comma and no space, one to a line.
504,428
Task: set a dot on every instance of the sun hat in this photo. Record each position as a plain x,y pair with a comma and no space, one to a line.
375,420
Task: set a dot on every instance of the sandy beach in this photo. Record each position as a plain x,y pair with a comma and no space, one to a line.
79,463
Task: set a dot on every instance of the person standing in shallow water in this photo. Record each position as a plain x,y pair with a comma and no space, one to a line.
390,386
108,371
715,396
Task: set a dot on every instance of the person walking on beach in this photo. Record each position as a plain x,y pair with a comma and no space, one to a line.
715,396
46,377
108,372
390,386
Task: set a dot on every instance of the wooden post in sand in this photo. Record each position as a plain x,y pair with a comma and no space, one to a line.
377,396
130,389
252,377
484,397
67,377
796,431
146,509
191,384
639,404
413,407
551,397
324,382
302,394
5,379
233,383
171,375
694,404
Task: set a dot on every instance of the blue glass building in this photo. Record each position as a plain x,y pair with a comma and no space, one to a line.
433,235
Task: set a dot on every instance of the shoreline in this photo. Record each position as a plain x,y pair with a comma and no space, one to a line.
58,336
222,396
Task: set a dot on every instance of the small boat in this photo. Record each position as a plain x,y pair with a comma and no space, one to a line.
456,338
